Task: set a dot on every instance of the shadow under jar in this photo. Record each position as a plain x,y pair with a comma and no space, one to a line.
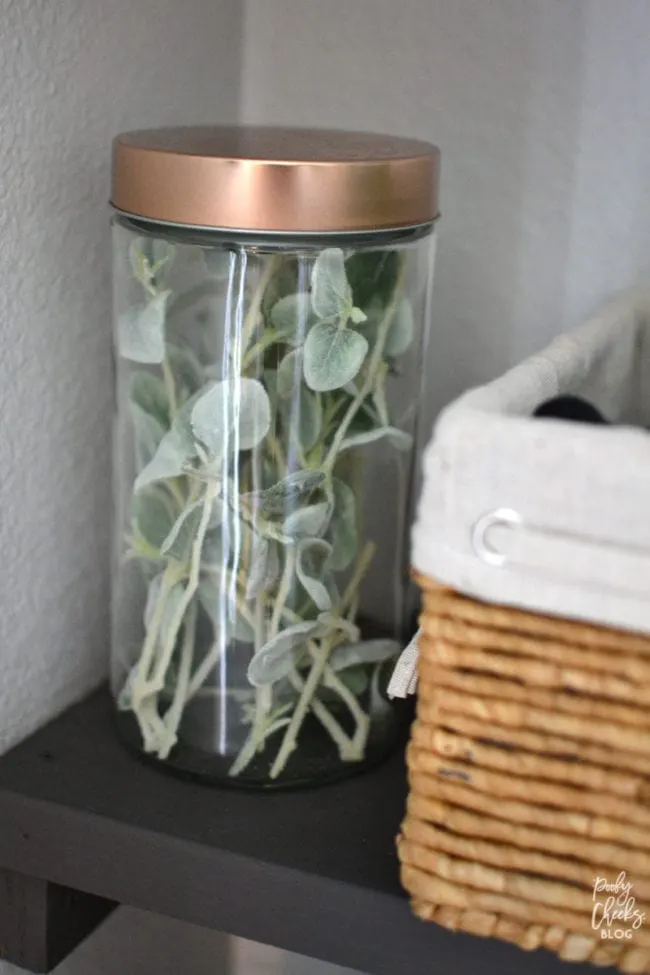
271,307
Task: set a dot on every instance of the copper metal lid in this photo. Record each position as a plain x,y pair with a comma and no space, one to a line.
253,178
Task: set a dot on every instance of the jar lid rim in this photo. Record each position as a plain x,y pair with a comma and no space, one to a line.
276,179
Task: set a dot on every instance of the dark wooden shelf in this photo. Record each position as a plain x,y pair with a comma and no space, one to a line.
313,872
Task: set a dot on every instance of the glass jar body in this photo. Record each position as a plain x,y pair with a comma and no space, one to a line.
267,404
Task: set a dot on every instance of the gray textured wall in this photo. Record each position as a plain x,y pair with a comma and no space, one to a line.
541,110
72,73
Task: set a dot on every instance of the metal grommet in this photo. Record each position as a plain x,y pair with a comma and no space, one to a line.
480,542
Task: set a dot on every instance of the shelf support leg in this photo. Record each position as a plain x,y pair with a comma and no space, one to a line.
41,923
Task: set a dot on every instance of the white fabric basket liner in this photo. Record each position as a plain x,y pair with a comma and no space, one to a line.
543,514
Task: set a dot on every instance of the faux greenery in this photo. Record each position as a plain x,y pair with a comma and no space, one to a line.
244,517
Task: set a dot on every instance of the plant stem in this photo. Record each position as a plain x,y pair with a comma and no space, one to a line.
328,721
268,338
263,695
335,684
170,387
213,655
158,679
371,375
360,570
175,491
283,590
252,315
362,720
318,668
173,717
289,741
276,450
262,704
140,688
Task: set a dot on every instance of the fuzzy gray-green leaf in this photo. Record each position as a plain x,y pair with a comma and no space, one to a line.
172,455
397,438
400,333
308,522
331,294
149,392
311,568
186,368
343,526
289,374
154,515
333,356
310,419
256,580
232,415
141,330
147,434
275,659
283,496
178,543
368,652
292,317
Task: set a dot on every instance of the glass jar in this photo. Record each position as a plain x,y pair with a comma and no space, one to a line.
271,308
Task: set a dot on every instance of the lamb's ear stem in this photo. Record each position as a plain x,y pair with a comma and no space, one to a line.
372,366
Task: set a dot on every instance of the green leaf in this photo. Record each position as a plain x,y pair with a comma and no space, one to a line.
310,419
210,421
141,331
311,568
286,494
154,514
369,652
178,543
217,600
401,331
192,296
149,392
398,439
358,316
170,460
333,623
333,356
355,679
275,659
331,295
147,432
292,317
253,413
186,368
232,416
343,526
147,255
264,568
223,546
372,276
309,522
289,374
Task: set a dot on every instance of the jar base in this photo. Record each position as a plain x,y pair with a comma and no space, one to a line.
314,763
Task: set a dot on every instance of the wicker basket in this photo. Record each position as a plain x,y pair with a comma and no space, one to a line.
529,772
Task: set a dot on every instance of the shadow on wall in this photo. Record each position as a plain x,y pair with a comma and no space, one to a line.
533,106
